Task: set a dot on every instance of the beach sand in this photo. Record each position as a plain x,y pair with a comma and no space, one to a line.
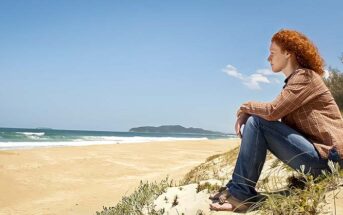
80,180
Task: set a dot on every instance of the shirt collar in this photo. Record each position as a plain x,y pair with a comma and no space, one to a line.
287,79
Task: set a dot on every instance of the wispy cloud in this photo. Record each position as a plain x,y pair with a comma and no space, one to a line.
232,71
266,72
254,80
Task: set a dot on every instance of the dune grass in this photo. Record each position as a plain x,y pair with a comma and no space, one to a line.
140,201
297,193
212,168
301,193
306,196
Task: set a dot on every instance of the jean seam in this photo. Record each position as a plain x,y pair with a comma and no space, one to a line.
256,140
255,154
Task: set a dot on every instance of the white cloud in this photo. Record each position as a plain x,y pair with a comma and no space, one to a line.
268,72
254,80
265,72
232,71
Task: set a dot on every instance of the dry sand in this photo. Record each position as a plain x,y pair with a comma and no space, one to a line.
80,180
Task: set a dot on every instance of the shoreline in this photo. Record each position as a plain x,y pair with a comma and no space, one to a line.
18,145
82,179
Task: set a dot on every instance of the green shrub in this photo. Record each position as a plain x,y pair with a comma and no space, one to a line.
335,85
140,201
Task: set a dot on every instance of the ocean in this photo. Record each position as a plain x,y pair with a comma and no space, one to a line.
22,138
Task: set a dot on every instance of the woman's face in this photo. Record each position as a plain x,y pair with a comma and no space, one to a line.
278,59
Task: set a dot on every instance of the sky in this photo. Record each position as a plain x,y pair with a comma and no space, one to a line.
114,65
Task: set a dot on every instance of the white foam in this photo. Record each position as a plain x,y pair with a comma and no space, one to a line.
134,139
32,135
96,141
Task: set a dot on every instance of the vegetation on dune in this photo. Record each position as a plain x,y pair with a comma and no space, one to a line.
218,167
298,193
308,197
140,201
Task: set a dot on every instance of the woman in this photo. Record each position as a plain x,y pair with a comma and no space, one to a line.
310,131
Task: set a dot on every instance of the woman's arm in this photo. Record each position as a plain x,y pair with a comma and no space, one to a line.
297,92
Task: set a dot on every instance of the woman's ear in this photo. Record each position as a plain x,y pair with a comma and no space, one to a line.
288,54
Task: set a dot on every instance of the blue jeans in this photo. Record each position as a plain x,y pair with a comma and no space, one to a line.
260,135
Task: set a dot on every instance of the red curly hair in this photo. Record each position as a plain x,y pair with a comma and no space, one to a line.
306,53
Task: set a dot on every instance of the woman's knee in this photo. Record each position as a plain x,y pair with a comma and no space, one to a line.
253,120
252,124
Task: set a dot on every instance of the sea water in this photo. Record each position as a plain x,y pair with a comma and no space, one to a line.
21,138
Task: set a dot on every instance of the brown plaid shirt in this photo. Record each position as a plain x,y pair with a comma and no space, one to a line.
306,105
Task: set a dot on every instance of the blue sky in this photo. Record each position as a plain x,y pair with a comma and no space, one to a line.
113,65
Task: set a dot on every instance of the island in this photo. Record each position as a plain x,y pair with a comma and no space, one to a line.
175,129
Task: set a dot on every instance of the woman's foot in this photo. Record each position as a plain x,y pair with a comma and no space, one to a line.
217,195
226,202
221,207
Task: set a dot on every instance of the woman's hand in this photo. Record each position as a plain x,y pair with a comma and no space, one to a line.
241,120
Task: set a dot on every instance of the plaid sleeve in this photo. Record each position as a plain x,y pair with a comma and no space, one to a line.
296,93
